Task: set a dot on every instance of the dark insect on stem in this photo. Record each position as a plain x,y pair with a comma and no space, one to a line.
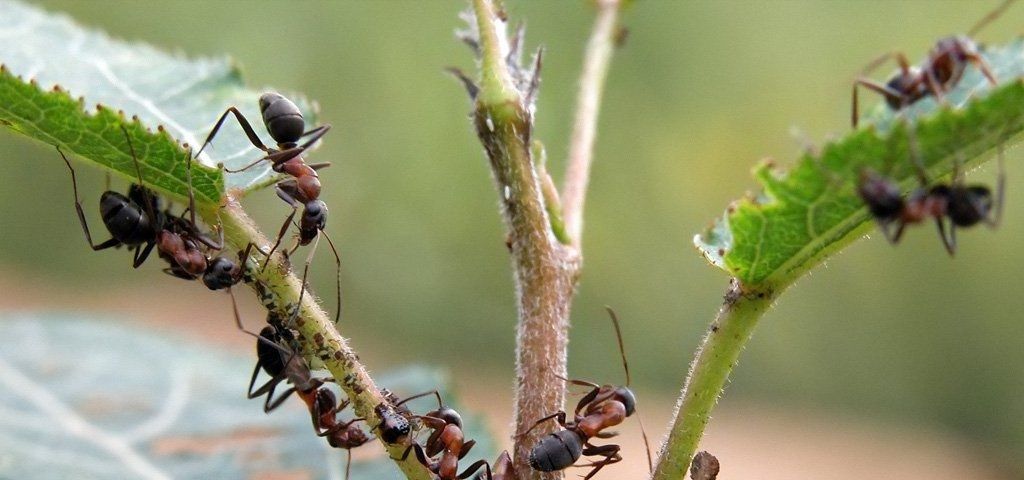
137,221
704,467
284,121
446,440
935,76
394,420
603,407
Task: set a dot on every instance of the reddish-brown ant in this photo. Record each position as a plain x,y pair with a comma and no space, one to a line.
447,440
284,121
935,76
137,220
603,407
283,364
963,205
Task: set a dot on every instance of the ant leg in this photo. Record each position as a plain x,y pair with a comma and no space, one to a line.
113,242
253,164
559,416
290,200
148,196
874,86
470,470
179,273
318,166
982,65
949,241
610,453
243,122
282,156
271,405
1000,190
899,233
141,257
465,448
318,132
421,395
337,282
588,398
302,291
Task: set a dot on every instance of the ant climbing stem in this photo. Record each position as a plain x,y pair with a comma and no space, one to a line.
935,76
603,407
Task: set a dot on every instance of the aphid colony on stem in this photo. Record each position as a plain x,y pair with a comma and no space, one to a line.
954,204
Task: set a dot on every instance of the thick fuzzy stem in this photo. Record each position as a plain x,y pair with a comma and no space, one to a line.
710,370
279,289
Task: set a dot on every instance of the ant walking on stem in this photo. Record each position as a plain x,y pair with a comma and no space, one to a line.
284,121
603,407
447,440
936,75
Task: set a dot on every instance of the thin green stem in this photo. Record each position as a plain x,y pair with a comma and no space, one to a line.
715,360
279,289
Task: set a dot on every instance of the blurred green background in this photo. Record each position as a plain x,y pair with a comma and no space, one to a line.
700,92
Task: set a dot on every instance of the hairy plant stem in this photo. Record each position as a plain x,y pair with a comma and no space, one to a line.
715,360
546,269
279,290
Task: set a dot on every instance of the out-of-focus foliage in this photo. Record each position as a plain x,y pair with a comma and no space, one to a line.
182,97
89,399
699,92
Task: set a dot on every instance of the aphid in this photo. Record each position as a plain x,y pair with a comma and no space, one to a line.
603,407
936,75
394,425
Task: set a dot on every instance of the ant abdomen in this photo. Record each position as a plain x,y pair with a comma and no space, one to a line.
556,451
968,206
282,117
124,219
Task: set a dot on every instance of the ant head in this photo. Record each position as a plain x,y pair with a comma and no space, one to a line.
282,118
448,414
881,195
969,205
221,273
325,400
314,219
626,396
393,426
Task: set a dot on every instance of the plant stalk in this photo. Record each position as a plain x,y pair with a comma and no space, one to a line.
710,370
279,289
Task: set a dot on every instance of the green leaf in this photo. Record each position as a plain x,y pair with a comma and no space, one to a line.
81,398
176,100
813,210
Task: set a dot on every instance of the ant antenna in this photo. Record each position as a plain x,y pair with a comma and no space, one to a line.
337,281
625,366
987,19
138,171
618,335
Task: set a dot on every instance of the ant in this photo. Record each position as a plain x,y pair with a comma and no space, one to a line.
137,220
935,76
283,364
964,205
447,439
284,121
603,407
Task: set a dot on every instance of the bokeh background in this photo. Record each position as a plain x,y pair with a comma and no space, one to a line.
886,361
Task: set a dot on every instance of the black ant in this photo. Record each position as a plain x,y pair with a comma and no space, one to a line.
964,205
284,121
283,364
603,407
935,76
447,440
137,220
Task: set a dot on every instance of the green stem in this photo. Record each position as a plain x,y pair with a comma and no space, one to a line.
279,289
726,337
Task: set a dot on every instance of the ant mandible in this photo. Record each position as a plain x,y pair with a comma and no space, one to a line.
964,205
603,407
447,439
935,76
